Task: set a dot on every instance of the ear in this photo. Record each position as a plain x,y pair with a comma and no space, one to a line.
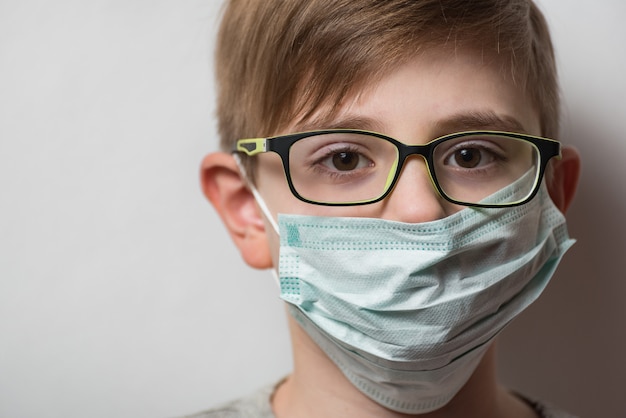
227,191
563,181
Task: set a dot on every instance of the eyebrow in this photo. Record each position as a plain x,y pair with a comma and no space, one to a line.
479,120
346,122
470,121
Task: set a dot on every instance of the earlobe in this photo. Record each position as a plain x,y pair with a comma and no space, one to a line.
563,180
235,204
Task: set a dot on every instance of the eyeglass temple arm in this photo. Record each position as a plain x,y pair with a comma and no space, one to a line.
251,146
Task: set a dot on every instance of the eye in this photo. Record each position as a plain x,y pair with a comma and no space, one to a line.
345,160
472,155
340,158
469,157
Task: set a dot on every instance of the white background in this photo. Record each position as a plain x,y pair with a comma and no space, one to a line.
121,294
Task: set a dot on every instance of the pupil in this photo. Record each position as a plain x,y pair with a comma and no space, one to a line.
345,161
468,158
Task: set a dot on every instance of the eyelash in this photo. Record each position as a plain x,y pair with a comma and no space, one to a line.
321,168
481,146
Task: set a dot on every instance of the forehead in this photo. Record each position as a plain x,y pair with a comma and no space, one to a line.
436,92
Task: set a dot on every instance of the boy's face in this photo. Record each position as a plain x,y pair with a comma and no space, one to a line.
438,92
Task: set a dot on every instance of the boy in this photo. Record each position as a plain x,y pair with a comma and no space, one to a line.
391,161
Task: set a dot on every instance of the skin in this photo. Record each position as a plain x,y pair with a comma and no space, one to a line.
436,93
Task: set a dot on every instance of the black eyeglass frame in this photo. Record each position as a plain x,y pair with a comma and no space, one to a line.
548,148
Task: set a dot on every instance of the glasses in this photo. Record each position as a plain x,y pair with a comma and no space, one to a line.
345,167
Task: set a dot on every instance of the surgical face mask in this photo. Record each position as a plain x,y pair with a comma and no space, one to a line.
406,311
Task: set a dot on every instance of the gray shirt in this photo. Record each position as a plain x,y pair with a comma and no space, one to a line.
258,405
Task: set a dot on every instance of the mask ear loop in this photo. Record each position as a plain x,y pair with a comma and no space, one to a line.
262,205
255,193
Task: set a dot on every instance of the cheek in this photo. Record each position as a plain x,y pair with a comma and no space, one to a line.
272,183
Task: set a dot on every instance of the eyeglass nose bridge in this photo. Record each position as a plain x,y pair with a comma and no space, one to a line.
404,152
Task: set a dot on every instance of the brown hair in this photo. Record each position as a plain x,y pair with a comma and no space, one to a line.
279,61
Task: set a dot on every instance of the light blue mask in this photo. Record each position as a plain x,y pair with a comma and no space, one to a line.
407,311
